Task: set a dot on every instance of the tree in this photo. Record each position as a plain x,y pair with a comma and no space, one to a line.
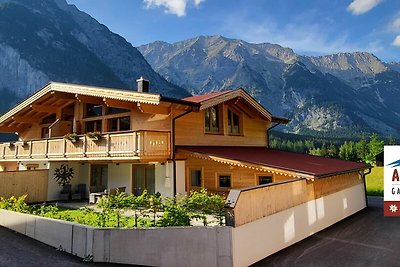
362,149
375,146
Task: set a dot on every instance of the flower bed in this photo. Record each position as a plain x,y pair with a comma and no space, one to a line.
133,211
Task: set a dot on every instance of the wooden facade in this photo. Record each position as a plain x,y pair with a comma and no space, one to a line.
31,183
259,202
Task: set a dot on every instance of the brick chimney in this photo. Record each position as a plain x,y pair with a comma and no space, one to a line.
143,85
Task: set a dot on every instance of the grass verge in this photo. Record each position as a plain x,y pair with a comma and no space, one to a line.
374,182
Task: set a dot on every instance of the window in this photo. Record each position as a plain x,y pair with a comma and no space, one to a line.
93,126
262,179
233,123
195,178
94,110
49,119
111,110
212,120
224,180
45,132
119,124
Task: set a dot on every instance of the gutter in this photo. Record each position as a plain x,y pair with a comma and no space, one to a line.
365,185
174,147
269,129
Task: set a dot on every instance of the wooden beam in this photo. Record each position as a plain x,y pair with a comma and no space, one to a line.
89,99
62,95
119,104
44,108
5,129
154,109
25,119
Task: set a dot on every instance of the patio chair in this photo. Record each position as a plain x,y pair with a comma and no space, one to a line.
65,193
80,192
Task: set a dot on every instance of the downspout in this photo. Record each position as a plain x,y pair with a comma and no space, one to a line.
270,128
365,186
173,148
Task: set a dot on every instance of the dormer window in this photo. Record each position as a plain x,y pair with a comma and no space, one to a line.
234,123
212,120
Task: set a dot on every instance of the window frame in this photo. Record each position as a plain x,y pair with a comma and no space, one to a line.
190,170
219,118
222,188
257,178
240,117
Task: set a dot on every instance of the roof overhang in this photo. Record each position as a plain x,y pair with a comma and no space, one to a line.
83,90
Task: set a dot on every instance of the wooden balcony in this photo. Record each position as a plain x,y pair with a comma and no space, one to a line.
138,145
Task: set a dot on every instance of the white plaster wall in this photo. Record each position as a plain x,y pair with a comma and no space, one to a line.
22,166
54,188
120,175
164,179
259,239
180,177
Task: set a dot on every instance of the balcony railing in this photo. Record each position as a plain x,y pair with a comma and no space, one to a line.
138,144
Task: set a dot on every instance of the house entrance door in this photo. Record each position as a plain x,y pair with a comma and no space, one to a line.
143,177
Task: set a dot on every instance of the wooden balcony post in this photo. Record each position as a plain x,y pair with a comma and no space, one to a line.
85,145
138,141
108,143
16,150
30,149
64,147
46,148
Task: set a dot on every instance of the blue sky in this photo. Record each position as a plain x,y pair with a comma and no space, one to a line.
311,27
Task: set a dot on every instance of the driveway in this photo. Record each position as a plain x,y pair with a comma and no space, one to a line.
18,250
364,239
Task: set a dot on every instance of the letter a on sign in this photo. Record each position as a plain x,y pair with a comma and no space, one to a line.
391,196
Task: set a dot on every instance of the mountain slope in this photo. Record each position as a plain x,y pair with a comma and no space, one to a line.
334,95
45,40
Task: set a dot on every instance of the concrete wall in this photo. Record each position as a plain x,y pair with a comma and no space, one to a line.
174,246
120,175
73,238
177,246
259,239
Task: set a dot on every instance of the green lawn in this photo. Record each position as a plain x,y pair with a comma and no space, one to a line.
374,182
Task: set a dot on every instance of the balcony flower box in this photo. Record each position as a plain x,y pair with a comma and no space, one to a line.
73,137
94,136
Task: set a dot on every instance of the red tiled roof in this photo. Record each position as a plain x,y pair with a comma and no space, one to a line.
297,162
201,98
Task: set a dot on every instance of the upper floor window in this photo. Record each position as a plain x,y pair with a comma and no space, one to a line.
93,126
112,110
234,123
212,120
93,110
119,124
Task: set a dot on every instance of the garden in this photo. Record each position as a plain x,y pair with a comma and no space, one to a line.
128,211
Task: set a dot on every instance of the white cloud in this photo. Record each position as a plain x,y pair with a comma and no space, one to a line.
396,41
359,7
177,7
395,25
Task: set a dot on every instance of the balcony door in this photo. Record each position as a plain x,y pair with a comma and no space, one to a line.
143,177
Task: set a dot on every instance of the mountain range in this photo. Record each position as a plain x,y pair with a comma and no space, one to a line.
49,40
337,95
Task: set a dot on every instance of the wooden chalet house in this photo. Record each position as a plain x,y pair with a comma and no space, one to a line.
141,140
